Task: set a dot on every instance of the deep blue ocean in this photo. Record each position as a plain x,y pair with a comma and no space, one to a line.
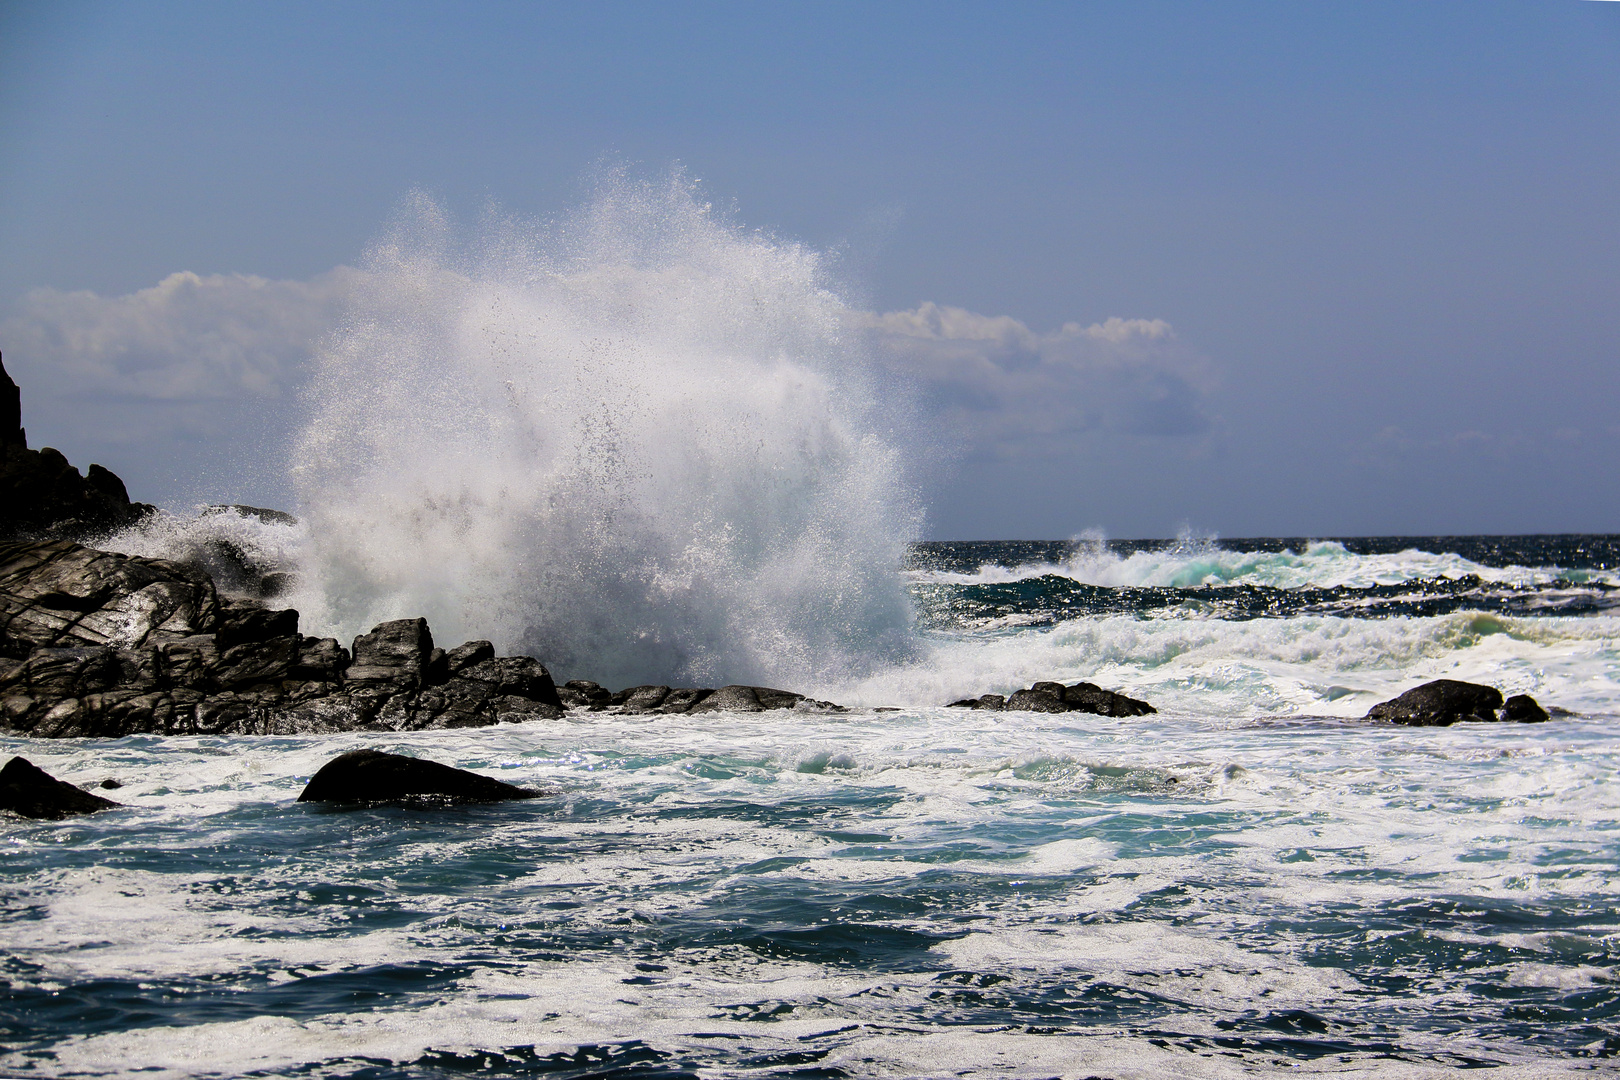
1251,882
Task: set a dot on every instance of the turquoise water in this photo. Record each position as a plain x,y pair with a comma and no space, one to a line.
1252,882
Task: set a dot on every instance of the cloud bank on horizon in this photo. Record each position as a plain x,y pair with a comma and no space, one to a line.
198,356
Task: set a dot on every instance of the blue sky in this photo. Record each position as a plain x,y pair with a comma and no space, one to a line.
1382,241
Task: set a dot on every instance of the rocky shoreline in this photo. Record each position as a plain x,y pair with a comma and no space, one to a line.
100,644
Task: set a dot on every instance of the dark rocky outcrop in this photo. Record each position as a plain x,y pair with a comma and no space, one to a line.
28,790
94,643
41,495
1448,701
1054,697
371,777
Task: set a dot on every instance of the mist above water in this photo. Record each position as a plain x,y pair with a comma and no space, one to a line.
637,443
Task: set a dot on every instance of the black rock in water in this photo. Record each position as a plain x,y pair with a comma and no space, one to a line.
1091,698
1448,701
1053,697
1524,709
1036,700
28,790
371,777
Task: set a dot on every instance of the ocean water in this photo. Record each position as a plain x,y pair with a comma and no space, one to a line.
1252,882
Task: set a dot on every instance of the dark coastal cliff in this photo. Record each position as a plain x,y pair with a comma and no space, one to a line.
43,496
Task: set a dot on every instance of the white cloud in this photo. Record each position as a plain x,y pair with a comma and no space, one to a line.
1007,390
188,338
206,354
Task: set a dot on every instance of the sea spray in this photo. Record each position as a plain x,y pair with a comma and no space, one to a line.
638,444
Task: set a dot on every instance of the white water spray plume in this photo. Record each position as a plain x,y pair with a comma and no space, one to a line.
639,444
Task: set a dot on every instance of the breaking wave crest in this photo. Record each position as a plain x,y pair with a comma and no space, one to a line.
637,442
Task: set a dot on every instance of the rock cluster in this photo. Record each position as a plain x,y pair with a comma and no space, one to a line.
1444,702
94,643
580,693
1054,697
42,495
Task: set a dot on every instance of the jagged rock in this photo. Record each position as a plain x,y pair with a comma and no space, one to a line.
467,654
520,676
683,699
370,777
1439,704
256,662
42,495
320,660
95,643
242,623
736,698
1053,697
11,429
506,689
1091,698
1524,709
60,673
640,699
582,694
28,790
392,657
59,593
1035,700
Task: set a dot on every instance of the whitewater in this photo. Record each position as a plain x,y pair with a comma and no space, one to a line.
643,444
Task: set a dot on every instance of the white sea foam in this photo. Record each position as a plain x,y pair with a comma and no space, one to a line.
638,443
1096,868
1193,561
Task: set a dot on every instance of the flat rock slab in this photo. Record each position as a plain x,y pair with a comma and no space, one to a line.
372,777
28,790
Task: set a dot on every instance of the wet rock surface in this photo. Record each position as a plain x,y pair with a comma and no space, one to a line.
28,790
99,644
94,643
1444,702
372,777
1054,697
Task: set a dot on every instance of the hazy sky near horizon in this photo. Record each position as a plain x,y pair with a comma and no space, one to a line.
1253,268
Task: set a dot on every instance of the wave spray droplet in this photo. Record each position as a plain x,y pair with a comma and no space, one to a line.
638,444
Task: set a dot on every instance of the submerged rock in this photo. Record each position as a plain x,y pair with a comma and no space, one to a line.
28,790
372,777
1448,701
